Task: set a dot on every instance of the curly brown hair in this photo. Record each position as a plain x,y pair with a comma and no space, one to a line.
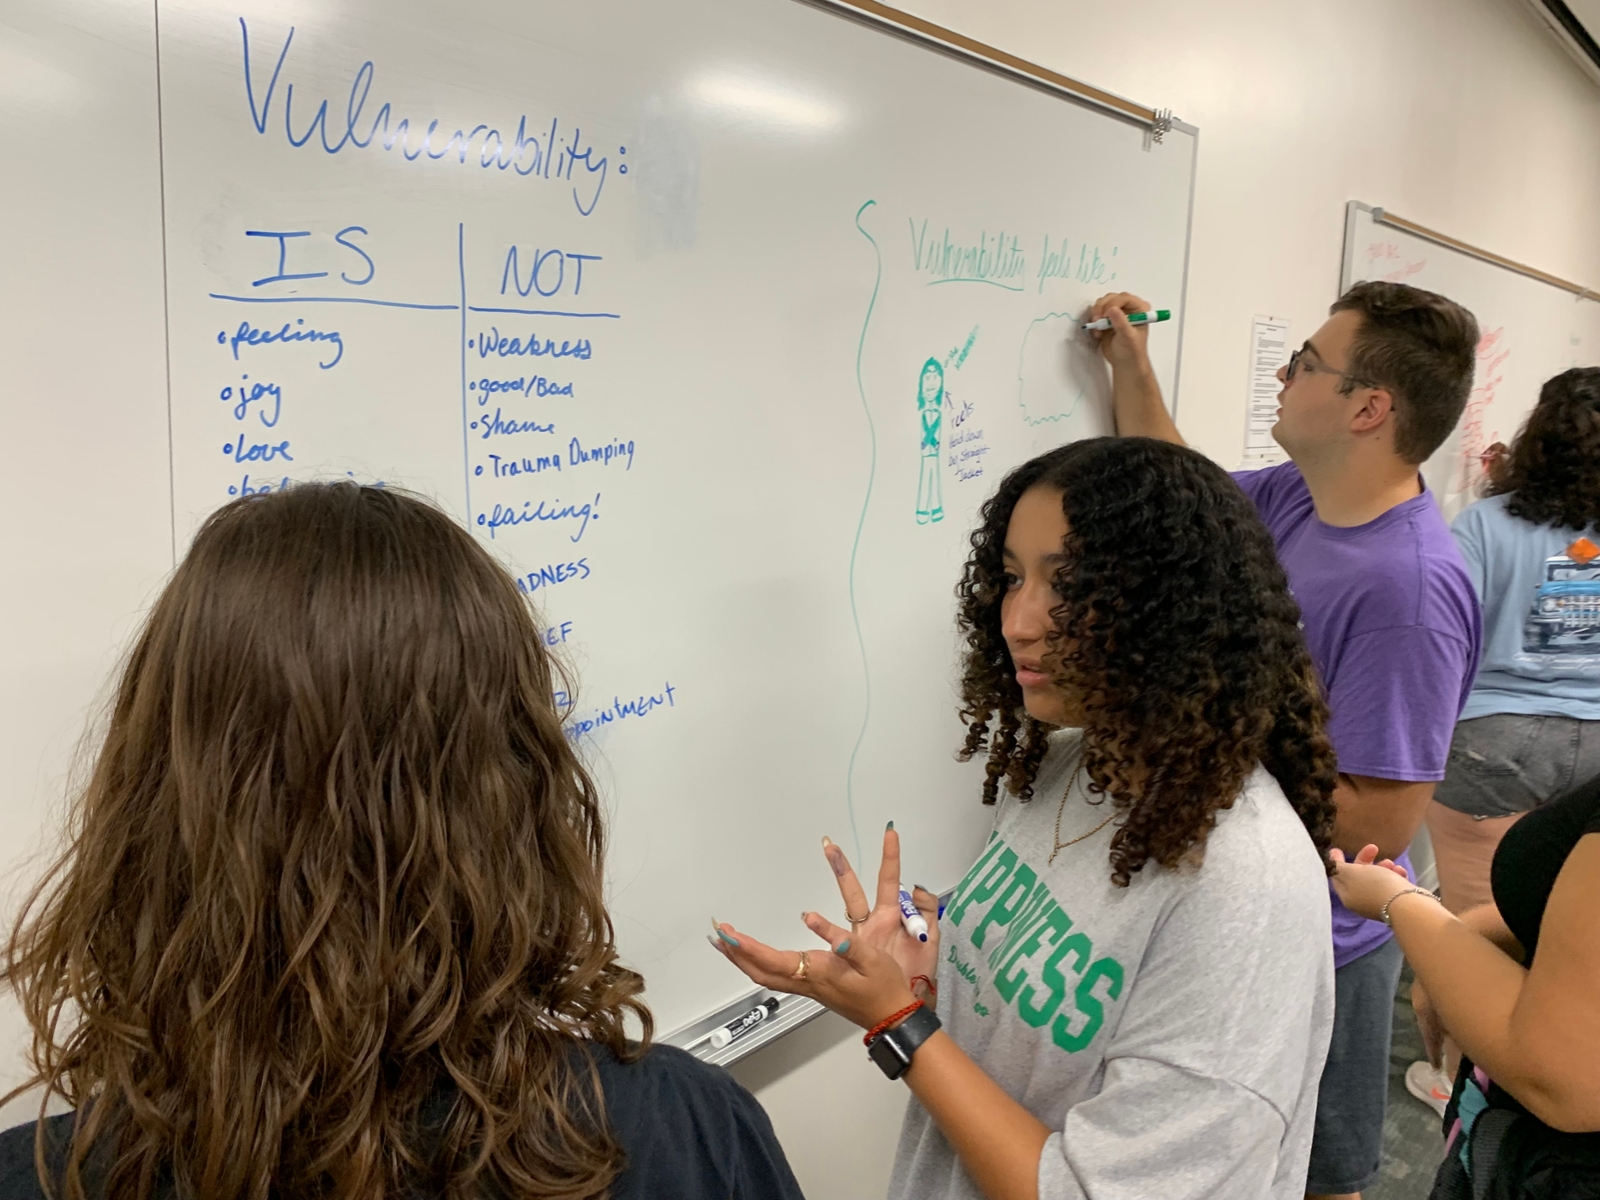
1552,471
331,919
1176,636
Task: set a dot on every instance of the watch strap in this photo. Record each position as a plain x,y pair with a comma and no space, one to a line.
892,1049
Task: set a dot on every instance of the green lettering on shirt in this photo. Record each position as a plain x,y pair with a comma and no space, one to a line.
999,871
1038,1014
995,843
1003,909
1024,923
1089,1005
1054,919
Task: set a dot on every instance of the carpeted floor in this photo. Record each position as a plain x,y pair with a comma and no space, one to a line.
1412,1143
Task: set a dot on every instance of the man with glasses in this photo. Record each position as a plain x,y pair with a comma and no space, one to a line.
1389,612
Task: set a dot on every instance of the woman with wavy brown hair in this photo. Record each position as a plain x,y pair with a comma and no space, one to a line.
1131,991
331,919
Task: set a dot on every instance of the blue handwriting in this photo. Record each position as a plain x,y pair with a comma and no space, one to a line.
492,343
552,574
507,468
504,517
248,393
528,385
618,710
538,276
500,426
578,455
245,488
243,451
248,335
523,153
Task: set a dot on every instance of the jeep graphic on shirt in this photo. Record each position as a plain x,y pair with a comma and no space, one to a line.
1565,615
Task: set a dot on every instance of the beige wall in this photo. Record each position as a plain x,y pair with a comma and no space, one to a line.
1464,115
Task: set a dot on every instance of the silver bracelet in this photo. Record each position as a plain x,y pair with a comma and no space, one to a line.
1383,914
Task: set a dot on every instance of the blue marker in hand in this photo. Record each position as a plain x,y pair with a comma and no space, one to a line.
916,924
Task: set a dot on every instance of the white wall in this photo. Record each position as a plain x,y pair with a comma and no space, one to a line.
1463,115
77,122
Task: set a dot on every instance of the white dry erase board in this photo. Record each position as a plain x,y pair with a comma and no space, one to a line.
715,320
1531,326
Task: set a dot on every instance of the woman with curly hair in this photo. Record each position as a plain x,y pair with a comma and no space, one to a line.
1531,727
1133,984
331,919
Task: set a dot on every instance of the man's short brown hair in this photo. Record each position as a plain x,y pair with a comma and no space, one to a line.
1422,348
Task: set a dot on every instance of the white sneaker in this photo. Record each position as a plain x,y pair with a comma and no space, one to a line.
1431,1086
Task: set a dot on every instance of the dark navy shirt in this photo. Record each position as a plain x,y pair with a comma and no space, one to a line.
689,1131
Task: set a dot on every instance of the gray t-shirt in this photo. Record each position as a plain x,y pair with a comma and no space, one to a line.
1540,587
1172,1032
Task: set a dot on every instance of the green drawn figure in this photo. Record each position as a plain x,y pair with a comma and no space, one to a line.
930,406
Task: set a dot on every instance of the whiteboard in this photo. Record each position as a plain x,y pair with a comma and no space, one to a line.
660,300
1528,331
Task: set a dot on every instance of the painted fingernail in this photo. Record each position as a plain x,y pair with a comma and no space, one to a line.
713,943
728,938
826,841
888,827
843,947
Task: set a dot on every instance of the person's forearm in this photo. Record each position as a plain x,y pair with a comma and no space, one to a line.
998,1140
1474,987
1486,921
1138,406
1381,813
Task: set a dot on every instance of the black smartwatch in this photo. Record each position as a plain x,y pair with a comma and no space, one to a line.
892,1049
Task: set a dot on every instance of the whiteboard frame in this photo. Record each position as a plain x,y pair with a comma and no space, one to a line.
944,41
1382,216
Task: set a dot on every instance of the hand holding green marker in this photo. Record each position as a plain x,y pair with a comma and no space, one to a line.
1144,318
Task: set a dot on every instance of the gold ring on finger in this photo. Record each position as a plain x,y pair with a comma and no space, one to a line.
804,968
856,920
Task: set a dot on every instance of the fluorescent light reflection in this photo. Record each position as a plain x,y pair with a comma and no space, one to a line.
764,101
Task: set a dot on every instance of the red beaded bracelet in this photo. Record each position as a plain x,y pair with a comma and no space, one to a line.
888,1021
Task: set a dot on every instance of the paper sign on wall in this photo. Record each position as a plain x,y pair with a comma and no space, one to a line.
1269,350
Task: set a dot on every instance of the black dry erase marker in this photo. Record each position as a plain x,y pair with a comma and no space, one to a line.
721,1037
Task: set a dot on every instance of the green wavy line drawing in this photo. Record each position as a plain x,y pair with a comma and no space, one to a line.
1022,383
872,472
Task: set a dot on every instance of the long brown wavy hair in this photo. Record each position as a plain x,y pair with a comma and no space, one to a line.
1552,471
1176,637
330,922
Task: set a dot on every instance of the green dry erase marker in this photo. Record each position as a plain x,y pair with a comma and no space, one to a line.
1144,318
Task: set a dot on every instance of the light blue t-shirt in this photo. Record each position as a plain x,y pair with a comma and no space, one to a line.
1541,615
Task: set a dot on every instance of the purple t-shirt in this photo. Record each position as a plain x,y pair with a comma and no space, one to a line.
1394,629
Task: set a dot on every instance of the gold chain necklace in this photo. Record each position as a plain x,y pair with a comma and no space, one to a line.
1059,844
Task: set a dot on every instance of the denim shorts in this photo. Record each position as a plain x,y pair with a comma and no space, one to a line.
1507,764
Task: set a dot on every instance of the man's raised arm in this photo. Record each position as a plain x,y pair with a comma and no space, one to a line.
1135,395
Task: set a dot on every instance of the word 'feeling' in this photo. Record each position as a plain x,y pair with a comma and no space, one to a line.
248,335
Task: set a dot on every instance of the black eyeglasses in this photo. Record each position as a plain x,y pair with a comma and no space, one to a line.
1298,360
